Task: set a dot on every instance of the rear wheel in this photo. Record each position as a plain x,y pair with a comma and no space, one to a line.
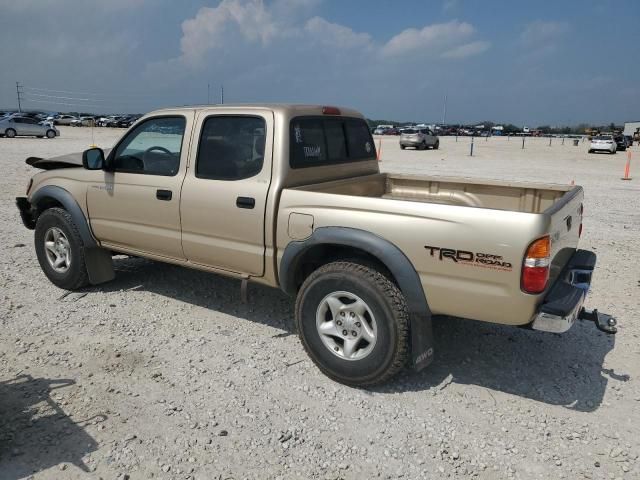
354,323
590,151
436,145
10,133
60,249
51,133
402,147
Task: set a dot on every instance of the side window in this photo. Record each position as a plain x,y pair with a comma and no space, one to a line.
231,147
152,148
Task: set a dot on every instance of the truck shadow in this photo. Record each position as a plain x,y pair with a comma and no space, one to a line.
565,370
35,433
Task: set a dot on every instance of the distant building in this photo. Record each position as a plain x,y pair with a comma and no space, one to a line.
631,128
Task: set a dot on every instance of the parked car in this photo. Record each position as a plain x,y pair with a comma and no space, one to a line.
392,131
419,139
64,119
25,126
126,122
603,143
367,279
621,143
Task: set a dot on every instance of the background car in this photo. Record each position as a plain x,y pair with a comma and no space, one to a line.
603,143
25,126
420,138
621,143
64,120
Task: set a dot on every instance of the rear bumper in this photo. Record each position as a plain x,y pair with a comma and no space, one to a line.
563,304
25,212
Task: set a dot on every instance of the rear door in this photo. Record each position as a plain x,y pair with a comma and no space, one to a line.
224,194
137,205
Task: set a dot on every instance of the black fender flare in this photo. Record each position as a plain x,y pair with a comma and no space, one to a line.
70,205
98,260
392,258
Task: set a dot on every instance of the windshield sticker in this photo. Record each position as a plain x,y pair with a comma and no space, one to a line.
312,152
367,147
298,133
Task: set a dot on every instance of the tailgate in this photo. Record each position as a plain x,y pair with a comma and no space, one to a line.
565,220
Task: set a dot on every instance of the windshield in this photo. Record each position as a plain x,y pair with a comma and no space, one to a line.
602,137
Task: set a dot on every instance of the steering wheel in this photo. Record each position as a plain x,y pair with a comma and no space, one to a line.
151,149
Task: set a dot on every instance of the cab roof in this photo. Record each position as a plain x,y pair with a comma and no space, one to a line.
287,109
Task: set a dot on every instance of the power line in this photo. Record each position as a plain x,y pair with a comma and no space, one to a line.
87,93
65,103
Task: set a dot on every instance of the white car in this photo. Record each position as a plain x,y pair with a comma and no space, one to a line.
603,143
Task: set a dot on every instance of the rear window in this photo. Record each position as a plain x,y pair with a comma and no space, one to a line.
602,137
317,141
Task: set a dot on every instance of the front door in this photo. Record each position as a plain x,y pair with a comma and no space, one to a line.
225,191
137,205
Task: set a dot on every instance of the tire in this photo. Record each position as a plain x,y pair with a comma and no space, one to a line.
57,219
436,145
10,133
51,134
590,151
385,320
402,147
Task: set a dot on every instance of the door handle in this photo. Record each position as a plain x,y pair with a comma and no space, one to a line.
245,202
164,194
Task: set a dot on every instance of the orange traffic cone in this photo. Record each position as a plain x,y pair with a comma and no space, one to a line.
627,167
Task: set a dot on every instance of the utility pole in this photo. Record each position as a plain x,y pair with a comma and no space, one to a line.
208,93
444,110
221,94
19,92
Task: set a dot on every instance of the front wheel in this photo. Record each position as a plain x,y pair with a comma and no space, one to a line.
60,249
354,323
51,134
436,145
10,133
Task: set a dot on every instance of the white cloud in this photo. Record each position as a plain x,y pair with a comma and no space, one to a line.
335,34
467,50
434,37
210,25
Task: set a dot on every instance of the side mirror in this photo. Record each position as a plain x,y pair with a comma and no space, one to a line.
93,159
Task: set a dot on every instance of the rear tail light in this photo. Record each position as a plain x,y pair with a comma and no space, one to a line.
535,268
330,111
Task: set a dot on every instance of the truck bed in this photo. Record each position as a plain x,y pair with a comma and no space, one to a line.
516,197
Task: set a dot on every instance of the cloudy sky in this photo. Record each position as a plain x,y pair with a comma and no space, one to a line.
557,62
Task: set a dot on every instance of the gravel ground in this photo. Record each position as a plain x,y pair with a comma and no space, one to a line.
164,373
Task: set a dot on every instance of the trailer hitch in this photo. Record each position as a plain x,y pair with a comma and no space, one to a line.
605,323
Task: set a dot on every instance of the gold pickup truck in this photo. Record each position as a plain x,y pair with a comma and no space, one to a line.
291,196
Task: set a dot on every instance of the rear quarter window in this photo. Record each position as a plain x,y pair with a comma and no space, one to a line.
317,141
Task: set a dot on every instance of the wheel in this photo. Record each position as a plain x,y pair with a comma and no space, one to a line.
51,134
590,151
402,147
423,146
60,249
354,323
613,152
436,145
10,133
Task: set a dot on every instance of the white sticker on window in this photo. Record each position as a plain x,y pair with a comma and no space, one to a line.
298,133
312,152
367,147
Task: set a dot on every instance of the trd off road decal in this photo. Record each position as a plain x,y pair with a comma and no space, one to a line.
463,257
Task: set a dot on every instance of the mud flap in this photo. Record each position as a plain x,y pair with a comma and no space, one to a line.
99,265
421,340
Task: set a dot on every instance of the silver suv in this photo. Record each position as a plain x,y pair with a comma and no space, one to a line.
420,138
